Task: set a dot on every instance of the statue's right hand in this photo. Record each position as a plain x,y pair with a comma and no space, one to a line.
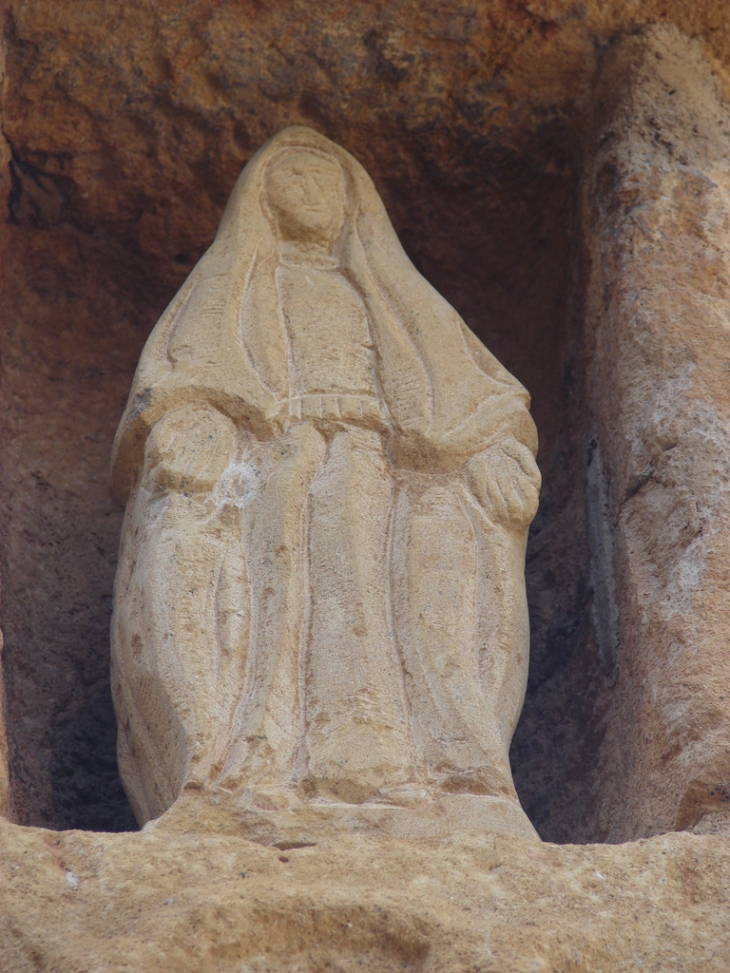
188,449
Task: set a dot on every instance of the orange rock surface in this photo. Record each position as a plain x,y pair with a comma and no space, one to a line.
487,129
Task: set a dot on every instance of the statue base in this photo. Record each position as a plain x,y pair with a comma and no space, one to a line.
270,819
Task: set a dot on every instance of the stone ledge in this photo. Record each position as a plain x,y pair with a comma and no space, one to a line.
155,901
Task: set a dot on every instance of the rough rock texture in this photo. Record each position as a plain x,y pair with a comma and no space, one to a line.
65,357
4,776
657,228
127,125
180,903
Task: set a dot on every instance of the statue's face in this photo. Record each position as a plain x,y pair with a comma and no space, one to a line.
306,195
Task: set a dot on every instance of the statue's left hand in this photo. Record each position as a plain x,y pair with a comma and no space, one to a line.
506,481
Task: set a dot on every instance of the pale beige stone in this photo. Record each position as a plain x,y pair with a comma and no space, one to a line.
186,902
320,612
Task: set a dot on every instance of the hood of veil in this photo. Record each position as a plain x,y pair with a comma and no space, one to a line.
217,341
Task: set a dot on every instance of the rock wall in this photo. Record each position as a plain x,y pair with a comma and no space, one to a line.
657,231
560,173
126,126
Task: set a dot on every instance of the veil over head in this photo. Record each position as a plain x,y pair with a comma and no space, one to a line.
222,340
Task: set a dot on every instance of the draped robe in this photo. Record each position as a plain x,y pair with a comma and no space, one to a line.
312,602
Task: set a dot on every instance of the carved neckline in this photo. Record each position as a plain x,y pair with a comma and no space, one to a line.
293,256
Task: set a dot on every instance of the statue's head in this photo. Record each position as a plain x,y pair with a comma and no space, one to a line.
304,193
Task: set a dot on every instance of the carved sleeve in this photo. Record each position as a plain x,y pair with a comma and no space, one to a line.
188,449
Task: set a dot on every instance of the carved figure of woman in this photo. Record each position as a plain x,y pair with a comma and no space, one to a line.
320,598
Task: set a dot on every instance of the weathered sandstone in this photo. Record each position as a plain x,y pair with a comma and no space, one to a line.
126,128
657,230
320,604
181,903
539,174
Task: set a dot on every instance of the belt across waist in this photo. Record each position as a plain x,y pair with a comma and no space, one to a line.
358,409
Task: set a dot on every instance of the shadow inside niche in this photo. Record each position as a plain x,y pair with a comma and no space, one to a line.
500,242
68,348
87,791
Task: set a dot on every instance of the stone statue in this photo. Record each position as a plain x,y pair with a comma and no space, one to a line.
320,615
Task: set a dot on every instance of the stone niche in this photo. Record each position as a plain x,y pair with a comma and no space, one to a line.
559,173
